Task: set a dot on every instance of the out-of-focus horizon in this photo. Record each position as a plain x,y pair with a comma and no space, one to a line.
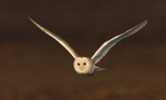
36,67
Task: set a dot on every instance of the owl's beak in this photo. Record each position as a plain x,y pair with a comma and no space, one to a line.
81,67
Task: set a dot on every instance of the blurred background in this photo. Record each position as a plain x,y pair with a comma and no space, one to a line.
33,66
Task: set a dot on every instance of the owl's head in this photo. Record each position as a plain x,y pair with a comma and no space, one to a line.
83,65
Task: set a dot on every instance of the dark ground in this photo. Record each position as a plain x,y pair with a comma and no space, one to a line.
33,66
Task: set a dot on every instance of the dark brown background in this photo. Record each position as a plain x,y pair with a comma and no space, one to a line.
33,66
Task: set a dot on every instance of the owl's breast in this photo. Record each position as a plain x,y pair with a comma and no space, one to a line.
91,70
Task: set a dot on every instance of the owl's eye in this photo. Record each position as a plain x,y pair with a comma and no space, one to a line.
84,63
78,63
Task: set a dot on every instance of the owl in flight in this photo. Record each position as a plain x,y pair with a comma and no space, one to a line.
85,65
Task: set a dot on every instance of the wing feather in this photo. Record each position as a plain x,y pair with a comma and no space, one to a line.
60,40
101,52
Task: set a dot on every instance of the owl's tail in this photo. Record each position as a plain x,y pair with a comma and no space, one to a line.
99,68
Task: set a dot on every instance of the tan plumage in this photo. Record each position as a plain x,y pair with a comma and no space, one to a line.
85,65
100,53
60,40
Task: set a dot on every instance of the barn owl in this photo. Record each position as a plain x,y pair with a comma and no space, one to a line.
85,65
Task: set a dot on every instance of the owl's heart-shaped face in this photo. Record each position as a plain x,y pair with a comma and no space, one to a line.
83,65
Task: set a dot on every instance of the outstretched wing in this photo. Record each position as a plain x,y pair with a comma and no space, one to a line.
100,53
60,40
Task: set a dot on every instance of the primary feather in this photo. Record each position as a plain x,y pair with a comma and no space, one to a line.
60,40
101,52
